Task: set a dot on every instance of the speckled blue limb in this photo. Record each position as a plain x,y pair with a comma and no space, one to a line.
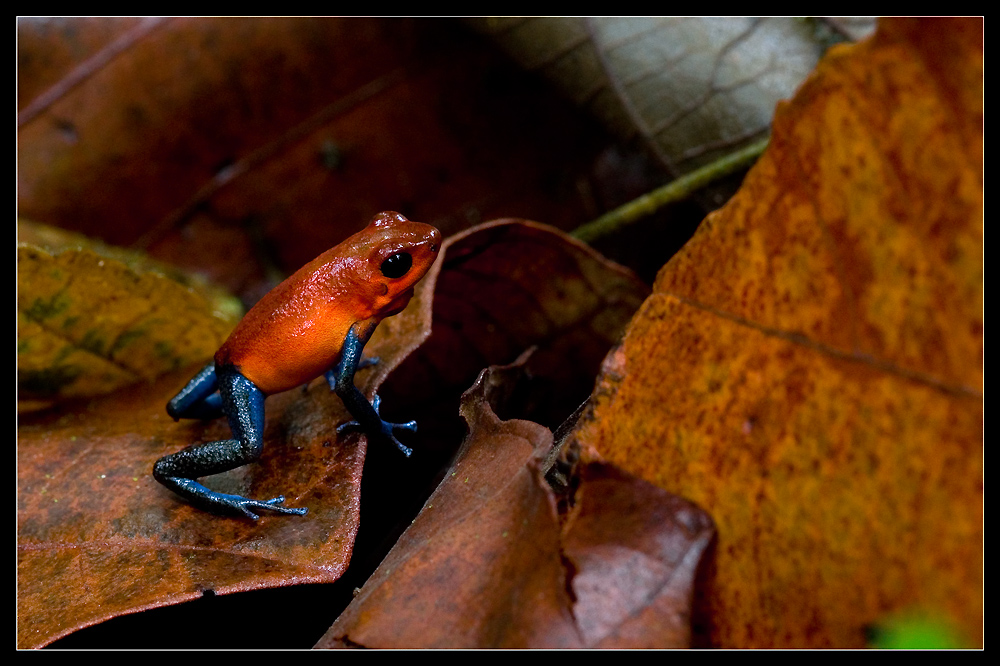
366,415
243,402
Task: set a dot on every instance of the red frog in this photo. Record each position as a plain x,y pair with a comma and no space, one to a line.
314,323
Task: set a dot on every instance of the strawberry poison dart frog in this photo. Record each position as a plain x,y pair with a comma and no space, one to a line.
314,323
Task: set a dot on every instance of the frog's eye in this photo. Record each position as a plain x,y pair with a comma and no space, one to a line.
397,265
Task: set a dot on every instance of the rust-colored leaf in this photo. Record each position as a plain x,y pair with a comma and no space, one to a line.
98,537
809,367
51,49
88,324
487,563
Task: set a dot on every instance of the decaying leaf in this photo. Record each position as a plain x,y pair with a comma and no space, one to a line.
690,88
809,368
98,537
488,563
56,45
89,324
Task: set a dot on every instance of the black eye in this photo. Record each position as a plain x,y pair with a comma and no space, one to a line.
397,265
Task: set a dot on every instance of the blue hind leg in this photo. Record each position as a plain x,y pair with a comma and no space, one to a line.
243,402
198,400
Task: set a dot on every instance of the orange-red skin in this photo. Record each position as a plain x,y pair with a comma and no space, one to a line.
295,333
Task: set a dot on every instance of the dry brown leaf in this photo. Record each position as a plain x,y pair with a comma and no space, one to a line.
54,45
809,367
225,143
487,563
98,537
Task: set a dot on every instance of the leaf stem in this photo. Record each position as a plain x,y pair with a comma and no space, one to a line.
676,190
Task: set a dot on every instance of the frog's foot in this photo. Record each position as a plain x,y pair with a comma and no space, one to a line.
386,429
233,505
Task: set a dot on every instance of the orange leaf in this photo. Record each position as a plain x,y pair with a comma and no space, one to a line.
809,367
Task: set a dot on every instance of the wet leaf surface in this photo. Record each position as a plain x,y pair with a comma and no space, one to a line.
809,367
98,537
489,563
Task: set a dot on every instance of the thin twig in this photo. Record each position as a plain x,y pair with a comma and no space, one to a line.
672,192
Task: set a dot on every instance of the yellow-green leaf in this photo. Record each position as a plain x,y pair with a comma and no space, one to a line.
89,325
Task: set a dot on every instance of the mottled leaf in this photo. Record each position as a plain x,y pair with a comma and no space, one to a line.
809,368
88,324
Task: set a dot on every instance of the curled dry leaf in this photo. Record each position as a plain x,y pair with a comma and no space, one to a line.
488,563
691,88
88,324
98,537
809,367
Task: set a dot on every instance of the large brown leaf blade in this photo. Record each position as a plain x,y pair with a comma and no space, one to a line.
487,563
98,537
809,367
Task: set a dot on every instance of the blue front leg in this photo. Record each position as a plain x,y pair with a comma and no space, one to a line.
243,403
341,380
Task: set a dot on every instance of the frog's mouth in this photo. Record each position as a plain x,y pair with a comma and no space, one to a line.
399,303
